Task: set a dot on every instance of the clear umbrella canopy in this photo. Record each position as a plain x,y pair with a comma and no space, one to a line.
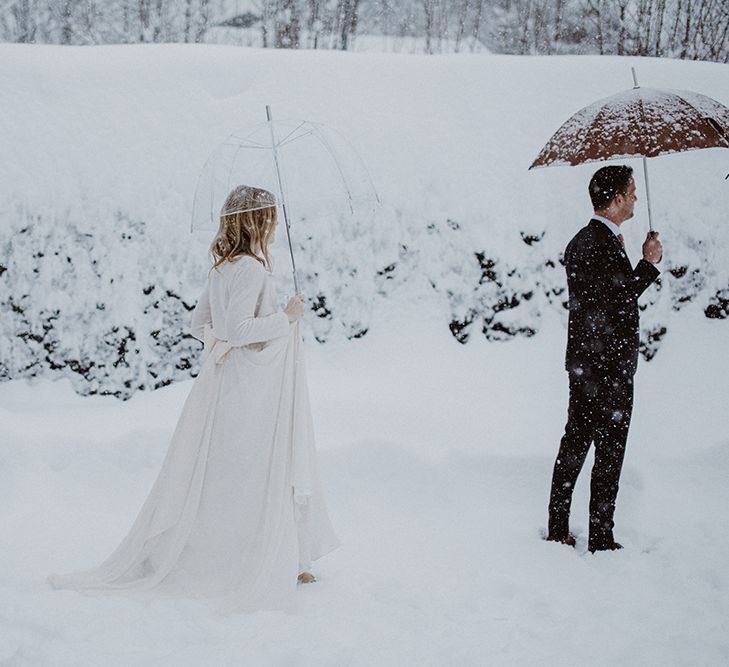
311,170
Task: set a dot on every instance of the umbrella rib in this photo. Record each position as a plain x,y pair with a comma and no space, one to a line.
329,149
285,139
301,136
242,140
720,132
251,147
643,119
245,143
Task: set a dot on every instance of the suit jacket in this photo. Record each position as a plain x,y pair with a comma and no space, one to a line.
603,335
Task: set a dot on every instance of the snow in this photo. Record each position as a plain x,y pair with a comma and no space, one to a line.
109,142
437,481
643,121
436,456
407,44
136,124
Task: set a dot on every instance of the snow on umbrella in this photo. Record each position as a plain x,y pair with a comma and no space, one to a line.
642,122
312,171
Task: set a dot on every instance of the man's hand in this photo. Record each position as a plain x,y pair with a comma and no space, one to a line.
652,248
295,308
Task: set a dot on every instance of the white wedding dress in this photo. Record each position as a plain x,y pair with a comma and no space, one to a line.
237,510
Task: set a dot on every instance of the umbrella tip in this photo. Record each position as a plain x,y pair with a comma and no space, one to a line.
635,78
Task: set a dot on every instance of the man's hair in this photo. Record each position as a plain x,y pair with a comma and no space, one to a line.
608,182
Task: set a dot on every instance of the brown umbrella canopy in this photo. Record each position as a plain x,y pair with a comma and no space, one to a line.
642,122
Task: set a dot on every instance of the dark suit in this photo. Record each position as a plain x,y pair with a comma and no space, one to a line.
601,359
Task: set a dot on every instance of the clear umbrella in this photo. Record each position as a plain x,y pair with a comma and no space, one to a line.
312,170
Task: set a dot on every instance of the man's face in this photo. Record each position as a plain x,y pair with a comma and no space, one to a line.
626,202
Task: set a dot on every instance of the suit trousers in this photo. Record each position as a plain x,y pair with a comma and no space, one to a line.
599,411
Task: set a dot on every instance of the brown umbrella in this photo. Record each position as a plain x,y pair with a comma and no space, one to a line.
643,122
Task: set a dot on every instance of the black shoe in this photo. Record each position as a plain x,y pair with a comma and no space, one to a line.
611,546
568,539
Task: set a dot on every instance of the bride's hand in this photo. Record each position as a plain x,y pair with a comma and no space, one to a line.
295,308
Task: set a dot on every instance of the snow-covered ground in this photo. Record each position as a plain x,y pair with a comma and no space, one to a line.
437,459
437,456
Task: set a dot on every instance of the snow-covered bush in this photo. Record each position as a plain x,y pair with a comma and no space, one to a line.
102,302
105,299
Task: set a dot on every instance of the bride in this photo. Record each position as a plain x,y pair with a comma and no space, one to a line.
236,514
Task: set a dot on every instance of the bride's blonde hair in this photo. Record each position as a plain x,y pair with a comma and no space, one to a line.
247,220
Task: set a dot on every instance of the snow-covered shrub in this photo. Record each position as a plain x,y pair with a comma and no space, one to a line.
504,298
718,308
105,299
337,262
100,304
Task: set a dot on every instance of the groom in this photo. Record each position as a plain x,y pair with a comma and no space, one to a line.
602,354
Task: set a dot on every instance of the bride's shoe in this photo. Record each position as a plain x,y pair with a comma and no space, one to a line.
306,578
